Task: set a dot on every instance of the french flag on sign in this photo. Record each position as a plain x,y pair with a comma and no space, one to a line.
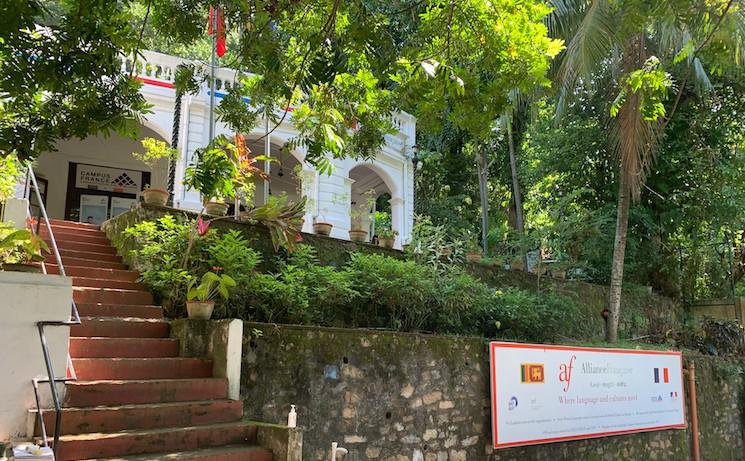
665,375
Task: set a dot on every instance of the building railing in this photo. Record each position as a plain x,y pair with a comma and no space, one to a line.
160,68
51,378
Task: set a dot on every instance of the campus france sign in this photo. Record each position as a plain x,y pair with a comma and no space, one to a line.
543,394
108,179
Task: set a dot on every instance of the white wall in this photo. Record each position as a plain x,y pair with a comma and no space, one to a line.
27,299
114,151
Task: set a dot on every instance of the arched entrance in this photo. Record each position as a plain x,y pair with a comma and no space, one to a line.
370,201
96,178
285,173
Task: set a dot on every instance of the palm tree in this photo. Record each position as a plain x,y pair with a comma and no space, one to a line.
633,43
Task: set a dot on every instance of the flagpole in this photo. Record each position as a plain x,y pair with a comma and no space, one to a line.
212,74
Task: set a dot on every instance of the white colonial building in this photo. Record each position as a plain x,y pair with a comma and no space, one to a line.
96,178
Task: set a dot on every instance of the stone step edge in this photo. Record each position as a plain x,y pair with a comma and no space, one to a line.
135,406
213,451
145,432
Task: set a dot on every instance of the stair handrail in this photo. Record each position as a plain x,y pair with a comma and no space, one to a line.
74,320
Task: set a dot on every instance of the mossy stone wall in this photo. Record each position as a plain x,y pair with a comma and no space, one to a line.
398,396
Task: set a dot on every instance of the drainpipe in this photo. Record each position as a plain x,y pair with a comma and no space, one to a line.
695,449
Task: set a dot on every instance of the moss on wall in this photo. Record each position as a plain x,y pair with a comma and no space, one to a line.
402,396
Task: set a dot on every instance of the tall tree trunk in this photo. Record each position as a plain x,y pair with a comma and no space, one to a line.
482,166
619,253
175,132
635,139
516,190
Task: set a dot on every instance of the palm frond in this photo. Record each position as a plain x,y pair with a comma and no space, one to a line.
589,48
634,140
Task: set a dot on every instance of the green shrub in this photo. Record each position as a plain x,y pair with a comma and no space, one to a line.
462,302
395,294
371,290
522,315
301,291
161,245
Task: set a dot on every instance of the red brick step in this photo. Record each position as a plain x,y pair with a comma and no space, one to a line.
86,446
114,258
82,246
108,327
105,283
73,224
151,416
227,453
123,347
120,310
142,368
111,296
85,262
97,272
62,233
91,393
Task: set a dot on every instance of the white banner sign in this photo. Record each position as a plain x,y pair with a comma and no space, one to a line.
543,394
109,179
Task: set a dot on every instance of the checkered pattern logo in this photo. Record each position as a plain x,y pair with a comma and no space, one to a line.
123,180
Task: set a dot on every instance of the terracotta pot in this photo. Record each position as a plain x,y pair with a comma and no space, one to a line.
473,257
358,235
201,310
155,196
322,228
216,208
387,242
31,267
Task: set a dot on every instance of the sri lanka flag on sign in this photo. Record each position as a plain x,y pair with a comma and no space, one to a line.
531,373
665,375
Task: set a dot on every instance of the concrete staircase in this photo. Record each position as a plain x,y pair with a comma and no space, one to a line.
135,398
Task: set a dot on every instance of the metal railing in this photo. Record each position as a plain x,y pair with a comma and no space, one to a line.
51,378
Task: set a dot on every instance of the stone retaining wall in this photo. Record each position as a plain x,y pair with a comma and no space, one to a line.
398,397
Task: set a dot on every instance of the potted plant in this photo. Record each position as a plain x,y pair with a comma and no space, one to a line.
155,151
361,214
321,227
216,174
200,299
387,237
20,250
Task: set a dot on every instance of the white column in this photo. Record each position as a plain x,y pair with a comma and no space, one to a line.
333,202
194,137
397,218
308,178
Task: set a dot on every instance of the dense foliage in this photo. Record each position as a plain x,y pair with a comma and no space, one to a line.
60,73
371,291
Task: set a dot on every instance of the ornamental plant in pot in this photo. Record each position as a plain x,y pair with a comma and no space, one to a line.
387,237
217,173
362,214
200,299
155,152
20,250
